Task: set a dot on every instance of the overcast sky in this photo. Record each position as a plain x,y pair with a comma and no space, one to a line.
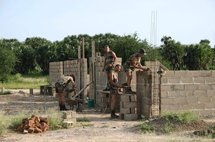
187,21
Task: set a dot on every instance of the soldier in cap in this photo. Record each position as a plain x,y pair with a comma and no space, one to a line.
133,62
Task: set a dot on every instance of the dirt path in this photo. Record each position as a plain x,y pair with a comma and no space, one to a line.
99,129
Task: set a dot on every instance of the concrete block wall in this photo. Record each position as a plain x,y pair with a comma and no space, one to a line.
155,66
84,76
55,71
100,77
73,67
77,67
148,90
144,94
128,107
188,91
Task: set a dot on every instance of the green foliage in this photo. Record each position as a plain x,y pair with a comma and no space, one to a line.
19,81
7,62
127,45
168,127
16,121
146,127
83,119
185,117
2,128
55,123
34,54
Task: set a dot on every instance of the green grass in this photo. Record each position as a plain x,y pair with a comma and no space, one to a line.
11,122
83,119
184,117
19,81
146,127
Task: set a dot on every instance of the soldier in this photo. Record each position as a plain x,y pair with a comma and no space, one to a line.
133,62
62,86
110,59
115,87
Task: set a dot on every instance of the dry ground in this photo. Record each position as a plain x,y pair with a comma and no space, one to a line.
100,127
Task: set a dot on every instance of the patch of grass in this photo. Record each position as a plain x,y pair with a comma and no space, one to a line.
55,123
146,127
2,128
15,121
185,117
171,119
11,122
55,119
83,119
19,81
168,127
3,123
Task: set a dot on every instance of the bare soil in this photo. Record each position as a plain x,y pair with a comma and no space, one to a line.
100,127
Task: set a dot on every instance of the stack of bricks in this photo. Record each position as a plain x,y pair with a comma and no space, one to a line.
69,118
104,102
55,71
128,107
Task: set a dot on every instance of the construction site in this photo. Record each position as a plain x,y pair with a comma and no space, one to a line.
159,91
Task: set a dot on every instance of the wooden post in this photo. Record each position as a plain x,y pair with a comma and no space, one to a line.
79,52
93,70
31,91
83,52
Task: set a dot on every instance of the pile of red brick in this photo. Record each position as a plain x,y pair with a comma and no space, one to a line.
33,125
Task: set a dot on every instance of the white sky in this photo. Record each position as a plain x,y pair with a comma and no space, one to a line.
187,21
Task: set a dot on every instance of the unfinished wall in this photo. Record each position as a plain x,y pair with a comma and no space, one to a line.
100,79
148,90
77,67
188,91
55,71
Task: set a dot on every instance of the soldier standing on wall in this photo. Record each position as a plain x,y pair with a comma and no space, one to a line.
110,59
133,62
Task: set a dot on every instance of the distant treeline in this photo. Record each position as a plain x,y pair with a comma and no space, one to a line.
34,54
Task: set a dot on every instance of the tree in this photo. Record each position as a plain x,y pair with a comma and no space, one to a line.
199,56
173,52
7,62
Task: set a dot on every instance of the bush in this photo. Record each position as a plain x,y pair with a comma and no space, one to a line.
15,122
146,127
2,128
185,117
83,119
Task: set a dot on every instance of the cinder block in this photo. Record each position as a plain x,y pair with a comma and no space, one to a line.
199,80
128,110
128,104
69,114
130,117
128,98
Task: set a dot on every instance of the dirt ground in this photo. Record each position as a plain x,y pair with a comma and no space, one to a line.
100,127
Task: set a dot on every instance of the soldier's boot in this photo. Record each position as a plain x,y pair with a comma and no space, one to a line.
129,91
113,115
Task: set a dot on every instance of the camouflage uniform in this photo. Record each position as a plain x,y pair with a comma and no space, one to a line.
113,88
109,62
128,67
